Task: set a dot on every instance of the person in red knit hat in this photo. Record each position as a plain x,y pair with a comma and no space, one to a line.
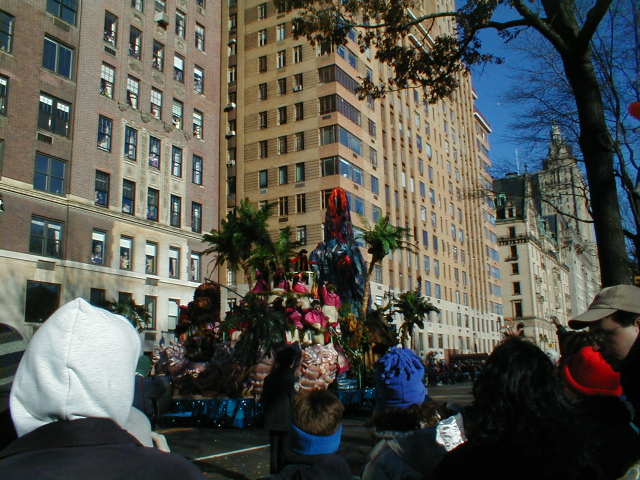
587,373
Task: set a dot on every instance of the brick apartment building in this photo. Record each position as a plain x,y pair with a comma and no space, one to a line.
293,128
108,153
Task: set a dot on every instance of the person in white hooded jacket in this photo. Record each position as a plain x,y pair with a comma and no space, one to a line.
71,399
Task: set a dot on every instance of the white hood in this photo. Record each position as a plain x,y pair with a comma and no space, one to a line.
80,363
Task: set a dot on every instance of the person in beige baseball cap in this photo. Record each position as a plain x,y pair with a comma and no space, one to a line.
613,319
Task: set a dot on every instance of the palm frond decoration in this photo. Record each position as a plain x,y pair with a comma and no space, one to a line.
414,308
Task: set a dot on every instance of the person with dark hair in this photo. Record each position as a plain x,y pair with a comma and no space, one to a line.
613,319
411,439
314,439
277,394
521,424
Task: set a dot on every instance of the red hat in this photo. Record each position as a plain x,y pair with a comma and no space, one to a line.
588,373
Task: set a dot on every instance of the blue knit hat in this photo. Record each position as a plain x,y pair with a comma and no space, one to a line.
399,379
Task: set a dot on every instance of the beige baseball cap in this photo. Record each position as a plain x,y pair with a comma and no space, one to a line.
608,302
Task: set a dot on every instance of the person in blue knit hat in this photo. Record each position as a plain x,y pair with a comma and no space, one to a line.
314,439
413,432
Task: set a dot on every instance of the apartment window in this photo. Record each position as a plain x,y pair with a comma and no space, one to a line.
151,258
128,197
67,10
195,262
110,28
515,269
262,64
46,237
196,217
198,79
150,304
262,11
196,169
135,43
263,178
98,297
4,94
181,24
201,3
126,253
177,114
375,185
153,203
372,128
282,145
281,32
516,288
138,5
105,129
133,91
160,6
154,152
232,74
262,37
283,175
98,247
56,56
263,119
174,262
262,91
42,299
156,103
517,309
176,161
282,115
199,37
281,59
299,138
298,82
178,68
49,174
282,86
297,54
102,189
299,111
131,143
54,115
301,202
283,206
107,78
175,219
264,148
300,172
158,56
301,234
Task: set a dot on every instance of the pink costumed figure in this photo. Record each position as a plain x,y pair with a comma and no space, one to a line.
299,286
319,322
261,286
332,304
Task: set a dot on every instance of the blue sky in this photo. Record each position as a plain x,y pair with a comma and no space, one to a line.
491,82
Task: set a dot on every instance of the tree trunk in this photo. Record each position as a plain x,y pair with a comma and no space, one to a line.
597,150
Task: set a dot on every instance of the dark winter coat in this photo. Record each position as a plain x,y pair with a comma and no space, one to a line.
90,448
629,379
315,467
277,394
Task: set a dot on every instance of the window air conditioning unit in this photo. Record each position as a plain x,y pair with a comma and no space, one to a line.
232,41
229,106
231,163
297,88
230,134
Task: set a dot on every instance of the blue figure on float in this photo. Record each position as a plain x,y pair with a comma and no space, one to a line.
337,261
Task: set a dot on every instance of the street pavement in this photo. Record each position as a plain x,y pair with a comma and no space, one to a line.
244,454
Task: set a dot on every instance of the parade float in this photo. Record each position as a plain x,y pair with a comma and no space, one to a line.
318,301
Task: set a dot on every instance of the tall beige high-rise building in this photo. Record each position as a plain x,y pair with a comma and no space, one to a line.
109,153
294,129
